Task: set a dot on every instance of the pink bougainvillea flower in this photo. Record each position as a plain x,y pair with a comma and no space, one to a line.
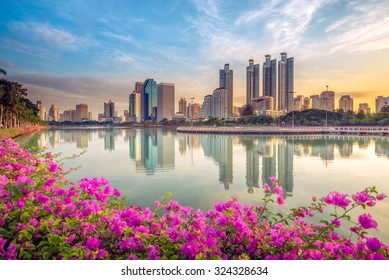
337,199
20,203
381,196
373,244
367,221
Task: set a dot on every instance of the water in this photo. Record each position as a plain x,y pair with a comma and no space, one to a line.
201,170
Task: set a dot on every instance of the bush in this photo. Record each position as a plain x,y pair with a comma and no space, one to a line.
44,216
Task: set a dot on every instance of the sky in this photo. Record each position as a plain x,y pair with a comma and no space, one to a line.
72,52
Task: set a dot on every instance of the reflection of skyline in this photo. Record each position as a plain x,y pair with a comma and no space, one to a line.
151,150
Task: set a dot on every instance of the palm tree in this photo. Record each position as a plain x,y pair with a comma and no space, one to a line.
2,71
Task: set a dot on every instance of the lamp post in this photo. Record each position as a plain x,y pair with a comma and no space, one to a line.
292,92
191,109
326,106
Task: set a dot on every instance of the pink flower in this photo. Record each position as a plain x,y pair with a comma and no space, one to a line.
273,180
53,167
92,242
280,200
266,187
337,199
314,198
336,222
70,239
116,192
360,198
367,221
20,203
278,190
43,199
381,196
373,244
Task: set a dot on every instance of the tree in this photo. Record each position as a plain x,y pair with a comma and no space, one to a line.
2,71
247,110
385,109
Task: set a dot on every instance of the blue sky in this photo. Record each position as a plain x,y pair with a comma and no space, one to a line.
71,52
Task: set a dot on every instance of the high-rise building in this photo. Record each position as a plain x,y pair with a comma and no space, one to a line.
315,102
346,103
206,109
182,106
307,103
364,107
134,107
298,103
81,112
269,81
109,109
285,83
165,101
149,100
327,101
54,113
219,108
42,111
138,87
193,110
379,103
252,81
226,80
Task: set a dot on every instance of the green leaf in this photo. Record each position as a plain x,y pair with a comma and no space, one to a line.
46,255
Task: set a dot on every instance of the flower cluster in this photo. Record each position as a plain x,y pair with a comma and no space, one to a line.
44,216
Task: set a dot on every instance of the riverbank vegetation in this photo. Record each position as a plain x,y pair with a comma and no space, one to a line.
45,216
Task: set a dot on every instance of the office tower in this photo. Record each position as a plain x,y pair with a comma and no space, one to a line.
346,103
269,80
134,107
285,83
364,107
109,109
81,112
138,87
252,81
165,101
307,103
42,111
226,80
219,108
182,106
54,113
327,101
149,101
379,103
298,103
315,102
206,109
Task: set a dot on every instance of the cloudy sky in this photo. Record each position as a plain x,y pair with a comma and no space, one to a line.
71,52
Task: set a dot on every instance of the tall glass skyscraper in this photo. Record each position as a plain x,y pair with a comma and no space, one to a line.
269,82
285,83
252,81
149,100
226,80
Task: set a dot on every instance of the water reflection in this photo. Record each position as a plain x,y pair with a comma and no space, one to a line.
153,150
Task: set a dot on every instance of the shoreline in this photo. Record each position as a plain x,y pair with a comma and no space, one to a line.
19,131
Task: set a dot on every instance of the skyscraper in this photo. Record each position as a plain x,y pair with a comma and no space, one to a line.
81,112
149,100
182,106
327,101
226,80
346,103
252,81
269,81
285,82
165,101
134,106
219,108
109,109
206,109
42,110
138,87
54,113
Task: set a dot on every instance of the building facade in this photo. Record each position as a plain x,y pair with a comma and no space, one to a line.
226,80
82,112
109,109
149,100
346,103
219,108
134,107
165,101
327,101
269,80
54,113
182,106
285,83
252,81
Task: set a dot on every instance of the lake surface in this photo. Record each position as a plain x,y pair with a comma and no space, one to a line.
201,170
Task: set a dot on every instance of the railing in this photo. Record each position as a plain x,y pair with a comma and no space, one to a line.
380,130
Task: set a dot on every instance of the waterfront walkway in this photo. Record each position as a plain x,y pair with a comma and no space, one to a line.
355,130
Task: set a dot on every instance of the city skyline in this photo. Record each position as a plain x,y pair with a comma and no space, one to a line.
80,53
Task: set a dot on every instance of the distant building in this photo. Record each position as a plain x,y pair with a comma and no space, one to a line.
226,80
364,107
381,102
54,113
138,87
109,109
285,83
269,80
307,103
219,108
194,110
346,103
134,107
252,81
182,106
165,101
315,102
298,103
149,100
327,101
82,112
206,109
42,111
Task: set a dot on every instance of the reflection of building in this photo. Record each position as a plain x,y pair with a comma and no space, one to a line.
382,147
109,141
252,163
219,148
285,166
82,139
